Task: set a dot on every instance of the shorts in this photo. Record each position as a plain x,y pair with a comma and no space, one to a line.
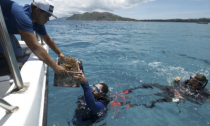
15,44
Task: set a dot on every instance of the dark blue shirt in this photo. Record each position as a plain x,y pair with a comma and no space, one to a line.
19,17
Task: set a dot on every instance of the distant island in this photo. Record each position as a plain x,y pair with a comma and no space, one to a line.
106,16
63,18
99,16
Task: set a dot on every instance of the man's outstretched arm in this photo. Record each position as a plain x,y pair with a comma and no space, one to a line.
31,41
52,45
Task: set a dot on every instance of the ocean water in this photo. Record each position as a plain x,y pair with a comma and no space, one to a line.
128,54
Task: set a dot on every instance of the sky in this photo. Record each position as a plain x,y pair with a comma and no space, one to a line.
136,9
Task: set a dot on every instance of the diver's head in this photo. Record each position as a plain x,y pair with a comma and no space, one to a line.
198,81
100,90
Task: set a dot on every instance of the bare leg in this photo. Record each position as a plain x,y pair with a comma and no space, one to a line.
152,103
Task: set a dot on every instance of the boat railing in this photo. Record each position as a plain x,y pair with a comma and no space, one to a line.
12,62
9,53
7,106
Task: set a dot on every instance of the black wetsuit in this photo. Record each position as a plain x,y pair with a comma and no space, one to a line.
83,115
197,96
89,110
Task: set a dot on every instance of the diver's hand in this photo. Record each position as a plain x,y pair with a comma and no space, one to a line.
59,70
177,79
181,97
80,78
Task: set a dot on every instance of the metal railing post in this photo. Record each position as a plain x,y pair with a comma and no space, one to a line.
42,43
9,53
8,107
37,36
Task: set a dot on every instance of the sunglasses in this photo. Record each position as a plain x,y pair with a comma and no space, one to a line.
96,87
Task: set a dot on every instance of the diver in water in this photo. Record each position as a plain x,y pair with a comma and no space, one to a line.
94,102
192,90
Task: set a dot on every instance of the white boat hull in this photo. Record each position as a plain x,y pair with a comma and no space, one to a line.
31,102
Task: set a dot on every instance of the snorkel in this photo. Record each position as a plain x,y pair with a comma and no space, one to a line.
91,85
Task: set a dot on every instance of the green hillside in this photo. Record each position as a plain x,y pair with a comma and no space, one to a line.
106,16
97,16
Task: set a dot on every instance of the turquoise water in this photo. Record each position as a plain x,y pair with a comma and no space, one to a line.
132,53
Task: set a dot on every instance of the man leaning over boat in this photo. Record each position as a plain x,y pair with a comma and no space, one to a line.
24,20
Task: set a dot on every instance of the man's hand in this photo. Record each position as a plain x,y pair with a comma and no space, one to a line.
59,70
62,57
80,78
